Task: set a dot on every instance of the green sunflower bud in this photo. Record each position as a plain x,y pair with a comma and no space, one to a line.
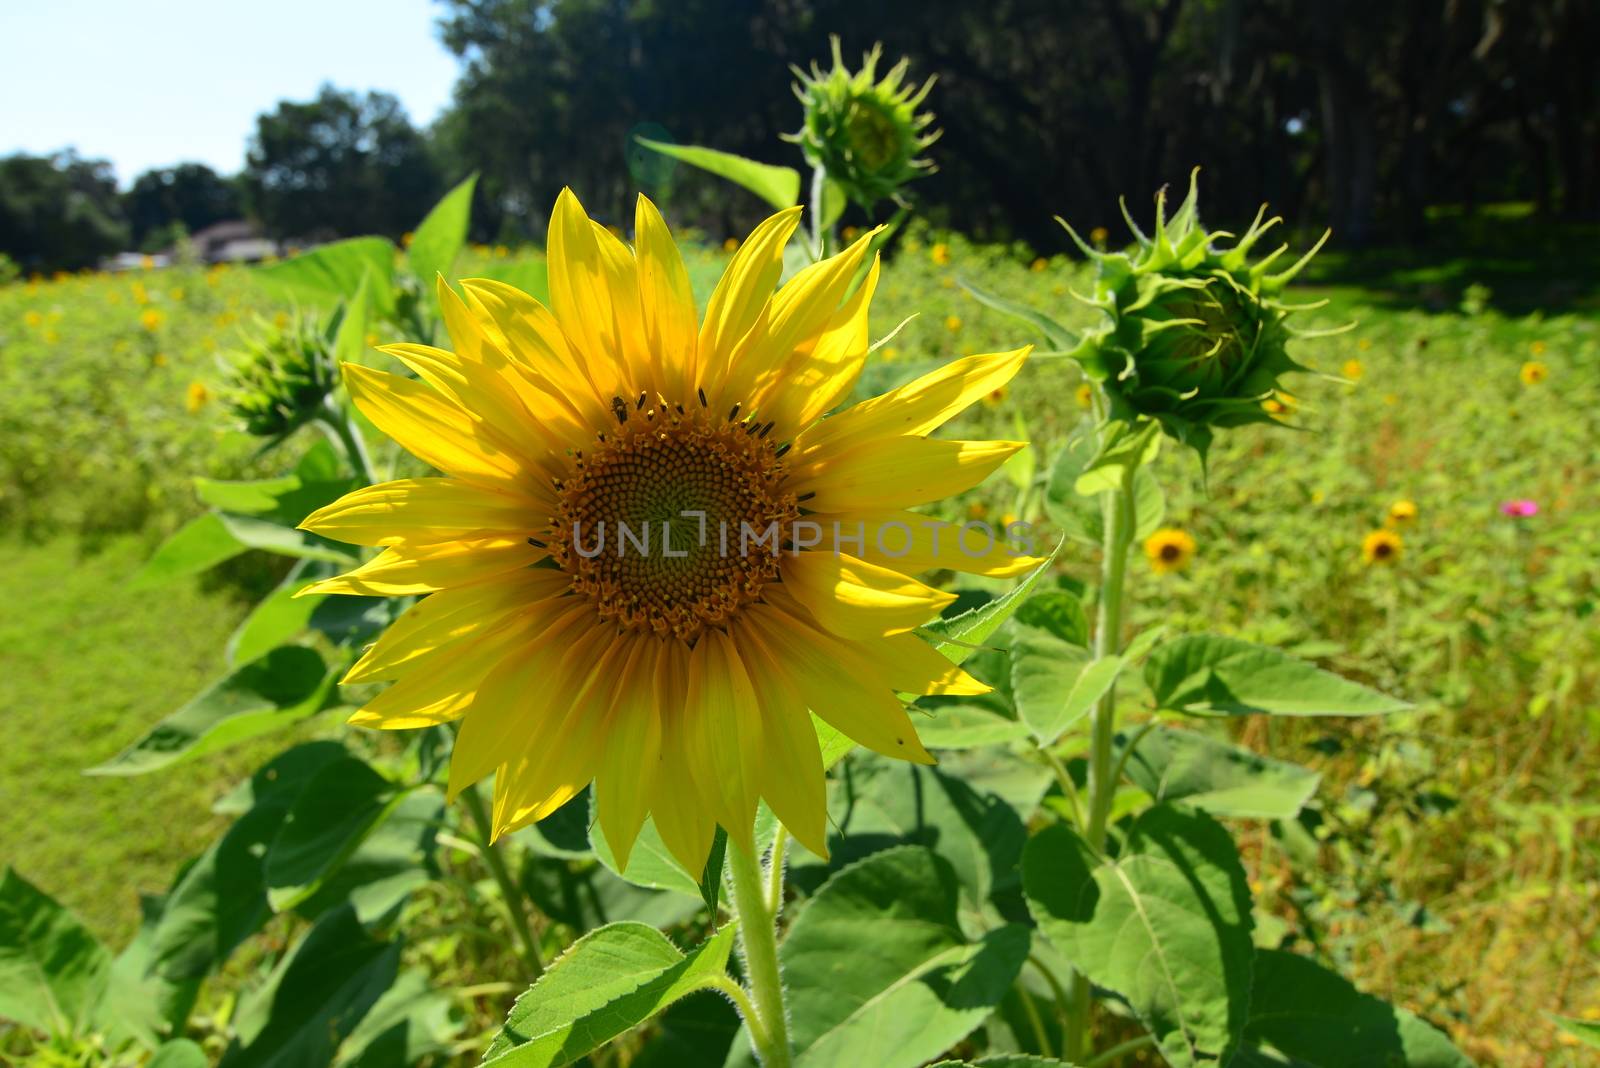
282,377
1195,335
865,133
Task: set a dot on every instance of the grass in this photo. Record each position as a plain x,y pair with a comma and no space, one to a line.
1452,865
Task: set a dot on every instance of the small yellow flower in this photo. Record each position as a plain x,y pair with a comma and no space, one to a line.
371,340
995,397
1318,496
158,360
731,245
1537,348
890,354
1391,399
1038,265
196,397
51,337
502,252
147,262
406,239
849,233
1280,403
1381,547
33,320
947,282
1402,512
151,319
1533,372
1099,235
1363,343
977,511
952,323
176,293
140,294
941,254
281,320
1006,519
1354,370
1084,395
1169,550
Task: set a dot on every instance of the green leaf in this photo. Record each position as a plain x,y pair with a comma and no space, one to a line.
834,201
879,970
1005,1060
315,997
387,864
252,532
1082,517
778,186
409,1022
1056,684
967,726
179,1053
711,877
198,545
1320,1020
279,617
285,500
1585,1031
606,983
53,972
1058,613
330,273
650,864
350,341
1225,780
339,808
1210,675
586,896
958,636
1166,924
1125,445
140,1003
437,240
1056,336
280,689
700,1029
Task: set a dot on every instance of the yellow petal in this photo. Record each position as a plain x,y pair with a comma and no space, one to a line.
581,297
913,409
409,569
822,375
535,342
741,297
836,681
855,599
632,753
434,430
723,730
435,624
911,665
428,698
910,542
666,303
898,473
792,778
684,820
422,511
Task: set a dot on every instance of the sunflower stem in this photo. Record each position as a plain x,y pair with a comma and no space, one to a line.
1103,771
341,427
502,878
758,938
819,182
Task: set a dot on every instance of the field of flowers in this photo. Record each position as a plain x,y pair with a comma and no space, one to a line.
1429,529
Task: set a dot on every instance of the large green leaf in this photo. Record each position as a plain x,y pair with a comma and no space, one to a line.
280,616
439,237
1005,1060
268,694
1081,517
338,809
1225,780
179,1053
967,725
140,1003
778,186
585,895
213,538
389,862
409,1022
606,983
330,273
1122,445
53,971
958,637
1055,684
650,864
1320,1020
1166,924
315,997
1211,675
879,970
1585,1031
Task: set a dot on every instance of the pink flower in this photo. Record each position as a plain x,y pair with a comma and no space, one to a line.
1521,508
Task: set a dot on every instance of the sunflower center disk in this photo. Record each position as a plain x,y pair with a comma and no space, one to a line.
674,522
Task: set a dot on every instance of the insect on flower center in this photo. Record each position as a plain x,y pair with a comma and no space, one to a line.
674,521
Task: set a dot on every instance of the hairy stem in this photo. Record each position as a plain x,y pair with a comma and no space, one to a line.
758,937
502,877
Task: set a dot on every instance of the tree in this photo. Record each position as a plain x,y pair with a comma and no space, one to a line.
340,164
59,212
190,195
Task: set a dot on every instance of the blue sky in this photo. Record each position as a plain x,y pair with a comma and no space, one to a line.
159,82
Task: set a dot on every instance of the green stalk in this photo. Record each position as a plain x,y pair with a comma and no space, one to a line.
758,938
1103,772
819,180
341,427
502,877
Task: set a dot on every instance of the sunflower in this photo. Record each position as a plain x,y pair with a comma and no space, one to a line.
1169,550
1353,370
1402,513
1533,372
1381,547
650,559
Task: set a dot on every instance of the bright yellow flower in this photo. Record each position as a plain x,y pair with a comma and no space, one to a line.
1099,235
1354,370
996,397
952,323
624,589
502,251
1381,547
1280,403
849,233
1038,265
1084,395
151,319
1402,512
941,254
1169,550
147,262
730,245
1533,372
196,397
890,354
1536,348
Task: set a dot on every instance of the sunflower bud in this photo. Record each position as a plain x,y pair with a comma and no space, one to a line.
281,378
864,132
1195,336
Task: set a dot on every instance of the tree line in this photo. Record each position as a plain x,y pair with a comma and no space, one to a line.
1359,114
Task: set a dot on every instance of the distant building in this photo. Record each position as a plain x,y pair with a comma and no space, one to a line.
232,241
